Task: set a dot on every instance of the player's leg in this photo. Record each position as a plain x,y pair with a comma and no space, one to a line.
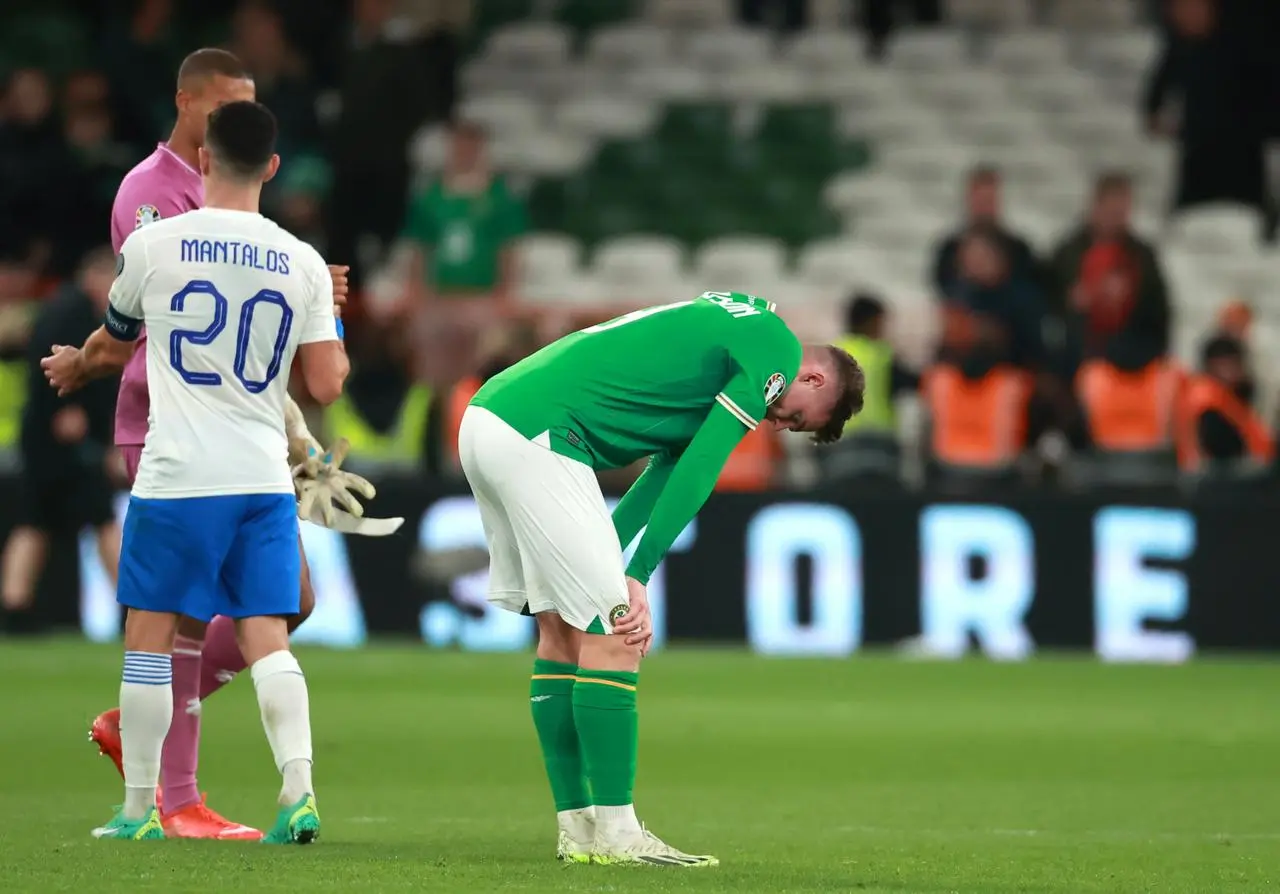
551,685
571,551
551,703
105,731
262,582
27,548
169,562
95,498
222,659
179,790
24,556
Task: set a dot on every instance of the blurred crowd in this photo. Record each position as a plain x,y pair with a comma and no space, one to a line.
1048,367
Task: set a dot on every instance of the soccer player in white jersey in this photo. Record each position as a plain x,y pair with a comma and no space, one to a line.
227,298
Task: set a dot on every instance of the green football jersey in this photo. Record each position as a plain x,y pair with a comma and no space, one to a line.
681,383
644,382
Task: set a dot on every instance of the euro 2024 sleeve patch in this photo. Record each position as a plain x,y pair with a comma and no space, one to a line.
146,214
774,387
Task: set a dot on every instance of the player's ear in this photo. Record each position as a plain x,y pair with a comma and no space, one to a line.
204,161
272,167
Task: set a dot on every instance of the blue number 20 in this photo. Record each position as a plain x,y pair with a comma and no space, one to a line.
206,336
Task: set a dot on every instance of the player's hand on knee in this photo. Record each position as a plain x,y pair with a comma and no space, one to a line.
637,624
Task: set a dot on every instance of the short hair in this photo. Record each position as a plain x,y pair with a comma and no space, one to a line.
853,386
863,309
241,138
1110,182
210,62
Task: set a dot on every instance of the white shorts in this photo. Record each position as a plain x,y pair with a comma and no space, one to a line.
552,544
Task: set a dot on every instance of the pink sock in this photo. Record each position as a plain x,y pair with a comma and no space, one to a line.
221,658
181,752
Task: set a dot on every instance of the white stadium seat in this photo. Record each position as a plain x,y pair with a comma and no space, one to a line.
928,48
822,51
632,260
728,49
548,258
630,45
503,113
531,44
737,263
689,13
543,153
763,83
1022,51
599,116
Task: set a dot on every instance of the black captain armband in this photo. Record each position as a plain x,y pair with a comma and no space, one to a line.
120,326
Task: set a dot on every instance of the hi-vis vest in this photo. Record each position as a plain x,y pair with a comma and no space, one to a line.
1130,411
1204,394
458,401
876,359
13,395
977,423
400,446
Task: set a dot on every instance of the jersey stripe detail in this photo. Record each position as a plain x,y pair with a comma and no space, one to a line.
742,415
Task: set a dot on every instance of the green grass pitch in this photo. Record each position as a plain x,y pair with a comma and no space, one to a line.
869,775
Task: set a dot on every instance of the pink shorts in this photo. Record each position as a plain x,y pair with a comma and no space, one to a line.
131,454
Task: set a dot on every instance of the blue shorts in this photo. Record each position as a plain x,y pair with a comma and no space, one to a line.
204,556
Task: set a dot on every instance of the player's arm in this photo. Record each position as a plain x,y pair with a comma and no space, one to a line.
324,359
111,345
688,484
633,510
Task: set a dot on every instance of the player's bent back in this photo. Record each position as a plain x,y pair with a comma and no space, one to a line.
228,297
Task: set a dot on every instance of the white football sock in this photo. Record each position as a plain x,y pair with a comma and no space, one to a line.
286,717
612,821
146,709
580,823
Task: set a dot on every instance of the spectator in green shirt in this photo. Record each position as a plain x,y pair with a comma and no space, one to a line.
462,230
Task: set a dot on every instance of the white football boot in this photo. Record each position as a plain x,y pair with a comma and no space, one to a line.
576,835
642,847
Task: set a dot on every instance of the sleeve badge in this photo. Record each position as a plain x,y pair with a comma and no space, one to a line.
773,388
146,214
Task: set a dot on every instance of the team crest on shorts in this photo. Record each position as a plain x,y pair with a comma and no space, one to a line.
146,214
774,387
617,612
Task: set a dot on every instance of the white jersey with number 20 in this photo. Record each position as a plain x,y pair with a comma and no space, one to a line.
226,297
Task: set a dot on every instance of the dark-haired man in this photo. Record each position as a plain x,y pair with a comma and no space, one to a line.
166,184
212,526
681,384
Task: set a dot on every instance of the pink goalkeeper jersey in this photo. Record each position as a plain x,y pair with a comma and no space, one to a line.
161,186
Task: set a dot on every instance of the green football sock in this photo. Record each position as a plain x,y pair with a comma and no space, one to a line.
551,701
604,709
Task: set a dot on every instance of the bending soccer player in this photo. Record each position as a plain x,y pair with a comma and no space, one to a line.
206,657
228,298
679,383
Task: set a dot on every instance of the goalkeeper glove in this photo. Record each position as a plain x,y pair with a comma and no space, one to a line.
319,483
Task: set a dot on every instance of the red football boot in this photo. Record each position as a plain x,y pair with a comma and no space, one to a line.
105,733
199,821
